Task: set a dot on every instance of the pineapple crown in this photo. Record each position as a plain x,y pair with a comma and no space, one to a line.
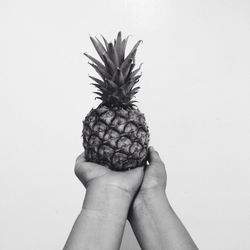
118,76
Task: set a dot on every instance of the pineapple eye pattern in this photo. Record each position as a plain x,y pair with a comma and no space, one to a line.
119,142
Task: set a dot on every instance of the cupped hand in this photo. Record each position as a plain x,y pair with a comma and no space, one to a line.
154,180
155,176
92,174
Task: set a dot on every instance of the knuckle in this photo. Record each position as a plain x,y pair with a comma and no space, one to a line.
78,164
156,152
76,169
162,163
78,158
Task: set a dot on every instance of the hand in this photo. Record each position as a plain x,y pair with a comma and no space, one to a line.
91,174
155,177
155,173
101,222
153,220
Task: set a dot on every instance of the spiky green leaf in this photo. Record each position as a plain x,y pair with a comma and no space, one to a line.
110,66
105,42
118,47
118,77
126,66
99,48
100,44
100,82
136,71
101,88
112,84
103,73
99,64
98,93
113,54
133,51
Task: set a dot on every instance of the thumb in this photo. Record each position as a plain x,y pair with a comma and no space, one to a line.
154,156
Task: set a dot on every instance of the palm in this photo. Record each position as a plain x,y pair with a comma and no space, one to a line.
95,174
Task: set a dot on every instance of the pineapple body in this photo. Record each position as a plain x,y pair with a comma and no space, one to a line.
116,137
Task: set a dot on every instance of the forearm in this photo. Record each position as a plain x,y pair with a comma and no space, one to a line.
156,225
101,222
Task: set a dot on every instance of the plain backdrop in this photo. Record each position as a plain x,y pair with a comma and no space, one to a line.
195,94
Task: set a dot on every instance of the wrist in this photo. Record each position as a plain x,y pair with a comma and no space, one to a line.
107,200
150,198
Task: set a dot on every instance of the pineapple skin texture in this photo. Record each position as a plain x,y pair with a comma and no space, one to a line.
115,137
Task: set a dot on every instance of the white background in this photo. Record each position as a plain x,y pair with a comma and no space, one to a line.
195,93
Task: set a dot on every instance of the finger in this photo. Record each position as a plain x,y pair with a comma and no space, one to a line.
85,171
154,156
81,157
79,162
83,168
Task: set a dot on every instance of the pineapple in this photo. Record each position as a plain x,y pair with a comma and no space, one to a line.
115,134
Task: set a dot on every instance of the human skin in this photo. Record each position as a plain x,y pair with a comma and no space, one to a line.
139,195
153,220
100,224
